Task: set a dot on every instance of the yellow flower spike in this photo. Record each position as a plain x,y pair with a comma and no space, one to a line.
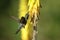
31,6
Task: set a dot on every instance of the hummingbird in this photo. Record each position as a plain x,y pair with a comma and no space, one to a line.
22,22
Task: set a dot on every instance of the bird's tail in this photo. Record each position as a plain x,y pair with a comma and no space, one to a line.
20,27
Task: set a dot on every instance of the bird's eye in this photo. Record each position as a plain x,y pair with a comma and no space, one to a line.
22,20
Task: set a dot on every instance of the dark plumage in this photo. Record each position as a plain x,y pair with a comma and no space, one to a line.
22,22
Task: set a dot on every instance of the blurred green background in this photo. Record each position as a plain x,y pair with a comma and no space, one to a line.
48,26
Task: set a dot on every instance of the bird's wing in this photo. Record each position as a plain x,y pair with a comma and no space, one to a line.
15,18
